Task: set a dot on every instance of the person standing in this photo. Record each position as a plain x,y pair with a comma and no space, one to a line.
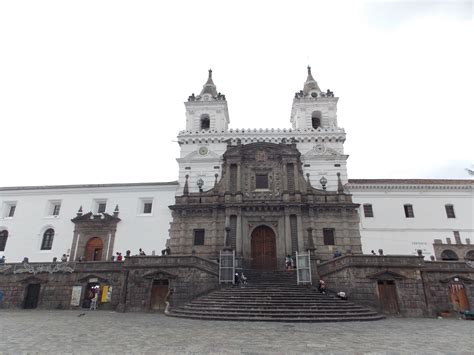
93,306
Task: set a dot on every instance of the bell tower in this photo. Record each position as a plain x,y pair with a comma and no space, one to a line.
207,111
320,140
313,108
203,142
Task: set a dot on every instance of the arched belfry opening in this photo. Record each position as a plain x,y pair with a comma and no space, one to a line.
205,122
316,119
449,255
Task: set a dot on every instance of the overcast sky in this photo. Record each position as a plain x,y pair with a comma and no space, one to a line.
93,91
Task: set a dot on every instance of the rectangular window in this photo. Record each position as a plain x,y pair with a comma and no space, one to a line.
56,208
147,207
450,211
328,235
261,181
11,211
409,211
199,237
368,212
101,207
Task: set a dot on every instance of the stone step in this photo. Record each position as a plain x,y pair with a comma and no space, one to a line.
281,317
273,310
271,305
273,296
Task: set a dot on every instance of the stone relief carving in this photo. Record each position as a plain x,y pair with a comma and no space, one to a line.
49,268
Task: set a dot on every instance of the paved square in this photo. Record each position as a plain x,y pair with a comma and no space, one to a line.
101,332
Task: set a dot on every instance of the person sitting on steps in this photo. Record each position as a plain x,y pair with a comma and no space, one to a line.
322,287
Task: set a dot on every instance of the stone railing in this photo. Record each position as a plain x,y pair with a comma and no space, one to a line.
449,266
274,135
328,267
172,261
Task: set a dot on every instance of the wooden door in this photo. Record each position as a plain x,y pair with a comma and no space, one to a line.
459,297
263,249
159,291
94,249
388,296
32,296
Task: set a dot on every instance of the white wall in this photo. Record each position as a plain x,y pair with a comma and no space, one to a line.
135,230
391,231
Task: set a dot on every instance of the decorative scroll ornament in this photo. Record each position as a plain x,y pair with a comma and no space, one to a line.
49,268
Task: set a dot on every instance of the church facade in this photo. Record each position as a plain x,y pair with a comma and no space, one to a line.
395,215
264,194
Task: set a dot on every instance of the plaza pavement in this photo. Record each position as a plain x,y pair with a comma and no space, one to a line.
98,332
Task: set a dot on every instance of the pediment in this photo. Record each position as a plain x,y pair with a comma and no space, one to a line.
158,275
457,278
386,275
96,218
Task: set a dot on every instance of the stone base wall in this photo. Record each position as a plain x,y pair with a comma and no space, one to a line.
422,288
56,285
131,281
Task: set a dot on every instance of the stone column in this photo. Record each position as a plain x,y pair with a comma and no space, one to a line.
285,177
287,232
238,234
296,176
299,223
239,187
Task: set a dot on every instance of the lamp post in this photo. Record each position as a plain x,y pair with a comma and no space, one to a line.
323,182
200,184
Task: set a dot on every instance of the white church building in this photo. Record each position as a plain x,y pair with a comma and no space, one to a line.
399,216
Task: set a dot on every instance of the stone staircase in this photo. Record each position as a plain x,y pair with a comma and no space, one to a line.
273,296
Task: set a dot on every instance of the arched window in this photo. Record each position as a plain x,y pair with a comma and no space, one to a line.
469,255
3,239
316,119
205,122
48,237
449,255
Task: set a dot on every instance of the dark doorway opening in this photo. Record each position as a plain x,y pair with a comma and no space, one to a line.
159,291
32,296
92,289
388,296
263,249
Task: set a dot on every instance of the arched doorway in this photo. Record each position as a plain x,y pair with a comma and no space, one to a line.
263,248
94,249
458,297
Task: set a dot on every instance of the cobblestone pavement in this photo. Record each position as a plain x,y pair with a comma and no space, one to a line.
110,332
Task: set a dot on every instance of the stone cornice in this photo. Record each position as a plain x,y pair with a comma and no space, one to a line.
351,186
95,188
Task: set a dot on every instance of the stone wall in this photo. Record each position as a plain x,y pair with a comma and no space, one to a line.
131,281
422,288
57,281
189,277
